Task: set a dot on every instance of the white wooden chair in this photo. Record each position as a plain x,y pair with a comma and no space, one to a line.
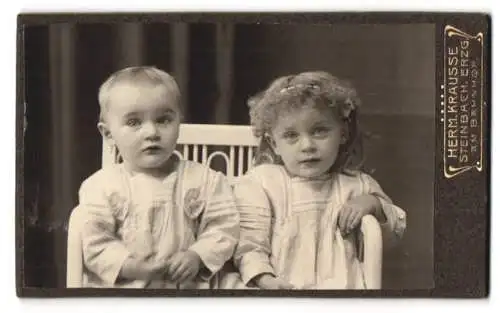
235,145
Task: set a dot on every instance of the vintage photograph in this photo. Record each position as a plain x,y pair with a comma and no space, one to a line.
229,155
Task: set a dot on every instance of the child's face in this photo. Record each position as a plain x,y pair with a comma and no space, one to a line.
143,122
307,140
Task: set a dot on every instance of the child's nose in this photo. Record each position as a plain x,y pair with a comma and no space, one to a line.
307,144
150,131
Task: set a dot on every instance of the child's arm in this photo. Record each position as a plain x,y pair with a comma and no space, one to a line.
391,217
134,269
254,249
219,230
104,254
357,207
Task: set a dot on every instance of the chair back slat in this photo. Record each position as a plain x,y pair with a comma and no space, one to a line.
249,157
204,152
230,172
241,152
195,153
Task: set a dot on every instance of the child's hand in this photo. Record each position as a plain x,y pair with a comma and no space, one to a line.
184,266
268,281
353,211
134,268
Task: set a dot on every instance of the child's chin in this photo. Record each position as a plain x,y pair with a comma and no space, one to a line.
154,163
312,173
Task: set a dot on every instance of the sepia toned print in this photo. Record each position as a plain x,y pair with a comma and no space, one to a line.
217,157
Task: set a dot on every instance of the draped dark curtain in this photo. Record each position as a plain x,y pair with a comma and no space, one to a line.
218,66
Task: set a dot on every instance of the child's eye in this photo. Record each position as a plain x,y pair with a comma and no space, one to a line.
133,122
290,135
320,131
164,119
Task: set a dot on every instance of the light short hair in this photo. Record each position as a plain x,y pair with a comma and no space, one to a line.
138,75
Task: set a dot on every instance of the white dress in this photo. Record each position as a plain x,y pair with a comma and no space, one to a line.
134,215
289,228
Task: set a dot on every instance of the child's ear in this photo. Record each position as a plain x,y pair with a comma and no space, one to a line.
105,132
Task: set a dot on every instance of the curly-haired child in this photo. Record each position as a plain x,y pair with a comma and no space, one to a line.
302,202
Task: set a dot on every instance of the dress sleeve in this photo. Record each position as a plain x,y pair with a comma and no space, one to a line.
219,229
395,223
103,253
252,255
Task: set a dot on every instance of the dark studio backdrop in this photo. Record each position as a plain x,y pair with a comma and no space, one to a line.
218,67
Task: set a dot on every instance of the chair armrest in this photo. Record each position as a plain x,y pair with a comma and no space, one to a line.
371,250
74,261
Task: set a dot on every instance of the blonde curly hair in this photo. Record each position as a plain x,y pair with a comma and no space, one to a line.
291,92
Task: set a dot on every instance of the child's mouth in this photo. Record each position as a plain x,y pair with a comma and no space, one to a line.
152,149
310,161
